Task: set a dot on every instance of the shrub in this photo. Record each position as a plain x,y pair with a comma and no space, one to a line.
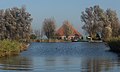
33,36
8,47
114,44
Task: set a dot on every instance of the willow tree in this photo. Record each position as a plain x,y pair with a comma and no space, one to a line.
115,24
105,24
92,23
67,29
15,23
96,20
110,23
2,25
49,28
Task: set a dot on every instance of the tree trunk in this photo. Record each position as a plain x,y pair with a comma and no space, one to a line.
91,36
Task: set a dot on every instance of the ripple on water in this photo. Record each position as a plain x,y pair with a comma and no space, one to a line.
63,57
68,49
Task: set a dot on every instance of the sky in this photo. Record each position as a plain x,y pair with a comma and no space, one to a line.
60,10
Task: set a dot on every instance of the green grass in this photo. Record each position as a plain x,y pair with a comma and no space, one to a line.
8,47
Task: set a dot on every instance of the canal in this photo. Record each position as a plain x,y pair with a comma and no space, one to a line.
63,57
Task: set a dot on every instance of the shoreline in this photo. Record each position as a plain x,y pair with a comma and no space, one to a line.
11,47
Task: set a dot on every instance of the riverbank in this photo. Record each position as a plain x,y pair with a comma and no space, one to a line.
114,44
54,40
8,47
49,40
62,57
11,47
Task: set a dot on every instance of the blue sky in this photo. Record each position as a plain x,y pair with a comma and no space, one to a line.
59,9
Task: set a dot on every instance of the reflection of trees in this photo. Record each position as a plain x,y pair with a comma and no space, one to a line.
118,60
50,63
96,65
66,61
15,63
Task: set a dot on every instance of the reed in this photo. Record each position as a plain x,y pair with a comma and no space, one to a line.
8,47
114,44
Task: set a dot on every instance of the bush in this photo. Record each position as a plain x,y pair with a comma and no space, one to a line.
8,47
33,36
114,44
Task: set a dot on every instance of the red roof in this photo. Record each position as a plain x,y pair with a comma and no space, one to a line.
61,30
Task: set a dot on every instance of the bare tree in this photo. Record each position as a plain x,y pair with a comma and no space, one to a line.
37,33
49,27
67,29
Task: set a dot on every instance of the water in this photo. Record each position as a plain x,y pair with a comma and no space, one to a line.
63,57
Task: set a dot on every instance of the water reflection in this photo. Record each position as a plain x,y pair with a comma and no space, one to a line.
73,64
66,61
96,65
50,63
15,63
63,57
72,57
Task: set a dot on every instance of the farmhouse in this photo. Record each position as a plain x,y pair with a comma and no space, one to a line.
61,33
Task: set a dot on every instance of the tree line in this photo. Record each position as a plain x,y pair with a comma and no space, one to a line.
96,20
15,23
49,28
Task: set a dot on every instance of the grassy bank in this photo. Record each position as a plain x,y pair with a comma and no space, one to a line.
48,40
114,44
8,48
54,40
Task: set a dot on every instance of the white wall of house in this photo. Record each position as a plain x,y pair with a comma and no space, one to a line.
69,37
63,37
